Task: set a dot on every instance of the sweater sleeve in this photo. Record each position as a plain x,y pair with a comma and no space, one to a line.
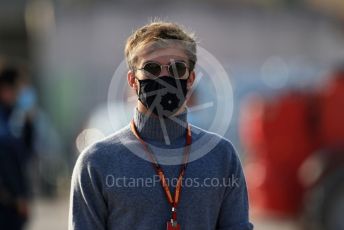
88,210
234,209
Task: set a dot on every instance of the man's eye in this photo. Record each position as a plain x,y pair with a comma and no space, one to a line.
153,68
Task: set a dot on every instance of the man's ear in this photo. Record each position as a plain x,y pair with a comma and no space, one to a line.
191,79
132,80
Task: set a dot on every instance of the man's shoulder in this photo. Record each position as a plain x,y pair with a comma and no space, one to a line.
106,147
220,144
200,133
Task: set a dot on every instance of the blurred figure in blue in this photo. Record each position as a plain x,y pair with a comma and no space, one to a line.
15,151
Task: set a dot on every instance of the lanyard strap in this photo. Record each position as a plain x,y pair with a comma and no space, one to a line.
173,202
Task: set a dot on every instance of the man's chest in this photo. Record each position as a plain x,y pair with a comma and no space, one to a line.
140,186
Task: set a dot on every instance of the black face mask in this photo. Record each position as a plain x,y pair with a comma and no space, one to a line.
163,96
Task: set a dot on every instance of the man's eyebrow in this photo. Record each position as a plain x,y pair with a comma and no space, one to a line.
150,61
177,59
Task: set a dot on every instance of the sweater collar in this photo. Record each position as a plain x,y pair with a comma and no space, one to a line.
160,129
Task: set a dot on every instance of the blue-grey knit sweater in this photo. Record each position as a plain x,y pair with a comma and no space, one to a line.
115,187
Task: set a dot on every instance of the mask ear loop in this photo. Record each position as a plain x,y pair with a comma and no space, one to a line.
138,87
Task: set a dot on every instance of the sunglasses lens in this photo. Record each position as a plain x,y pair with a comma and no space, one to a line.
152,68
178,69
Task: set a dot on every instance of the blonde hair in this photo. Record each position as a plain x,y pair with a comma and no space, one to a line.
160,34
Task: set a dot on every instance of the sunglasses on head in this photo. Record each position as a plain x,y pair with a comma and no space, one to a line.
176,69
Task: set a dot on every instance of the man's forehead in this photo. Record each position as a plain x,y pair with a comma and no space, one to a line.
162,54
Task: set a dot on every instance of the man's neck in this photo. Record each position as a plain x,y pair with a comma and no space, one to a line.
156,128
142,109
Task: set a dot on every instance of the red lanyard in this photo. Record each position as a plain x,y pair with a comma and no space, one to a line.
173,202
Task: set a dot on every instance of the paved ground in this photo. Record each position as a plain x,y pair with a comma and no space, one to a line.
49,214
53,215
275,224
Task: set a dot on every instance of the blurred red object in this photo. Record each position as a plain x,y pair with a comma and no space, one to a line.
278,136
331,111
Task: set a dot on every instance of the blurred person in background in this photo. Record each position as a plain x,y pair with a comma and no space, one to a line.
15,152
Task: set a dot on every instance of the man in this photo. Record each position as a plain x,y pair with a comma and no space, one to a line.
111,186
